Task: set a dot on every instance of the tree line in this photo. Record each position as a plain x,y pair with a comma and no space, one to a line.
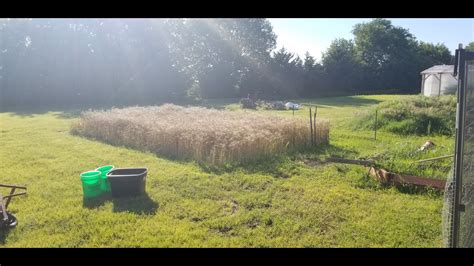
146,61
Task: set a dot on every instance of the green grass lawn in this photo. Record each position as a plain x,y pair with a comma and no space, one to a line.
279,202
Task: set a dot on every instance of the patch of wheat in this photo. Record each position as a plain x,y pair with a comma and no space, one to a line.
202,134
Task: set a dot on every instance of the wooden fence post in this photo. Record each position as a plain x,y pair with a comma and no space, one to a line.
311,126
375,125
314,121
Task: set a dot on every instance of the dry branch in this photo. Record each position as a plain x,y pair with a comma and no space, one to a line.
387,177
347,161
435,158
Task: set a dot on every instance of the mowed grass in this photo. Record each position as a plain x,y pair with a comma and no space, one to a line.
280,202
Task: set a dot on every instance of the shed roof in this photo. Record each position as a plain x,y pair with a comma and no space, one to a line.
439,69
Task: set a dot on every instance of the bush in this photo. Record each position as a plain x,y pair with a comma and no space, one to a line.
278,106
418,115
247,103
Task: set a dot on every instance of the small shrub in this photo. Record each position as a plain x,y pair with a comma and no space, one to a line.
246,103
278,106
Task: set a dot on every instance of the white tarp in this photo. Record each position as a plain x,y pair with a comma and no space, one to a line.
292,106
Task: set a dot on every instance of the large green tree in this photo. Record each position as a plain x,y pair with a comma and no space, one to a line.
314,78
87,61
115,61
286,74
432,54
387,53
222,54
342,67
470,46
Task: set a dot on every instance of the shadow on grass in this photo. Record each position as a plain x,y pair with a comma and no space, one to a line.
69,114
143,205
92,203
341,101
216,103
369,182
138,205
266,165
330,150
418,190
63,113
3,235
4,229
74,110
276,165
345,101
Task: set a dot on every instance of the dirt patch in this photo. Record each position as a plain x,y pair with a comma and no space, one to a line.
235,207
253,223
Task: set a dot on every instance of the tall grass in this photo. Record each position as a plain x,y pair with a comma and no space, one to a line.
205,135
419,115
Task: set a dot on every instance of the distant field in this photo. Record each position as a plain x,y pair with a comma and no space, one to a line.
279,202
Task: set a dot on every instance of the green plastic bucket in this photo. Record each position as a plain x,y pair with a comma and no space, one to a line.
105,184
91,184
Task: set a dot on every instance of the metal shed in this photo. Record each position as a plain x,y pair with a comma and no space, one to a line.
438,80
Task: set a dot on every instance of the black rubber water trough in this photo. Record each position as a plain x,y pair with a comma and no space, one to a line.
127,182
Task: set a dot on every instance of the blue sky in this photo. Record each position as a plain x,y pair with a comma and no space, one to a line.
315,35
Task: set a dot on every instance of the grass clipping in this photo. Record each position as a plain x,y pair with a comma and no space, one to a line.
205,135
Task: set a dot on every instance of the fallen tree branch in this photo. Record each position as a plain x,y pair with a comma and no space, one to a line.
347,161
387,177
434,159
